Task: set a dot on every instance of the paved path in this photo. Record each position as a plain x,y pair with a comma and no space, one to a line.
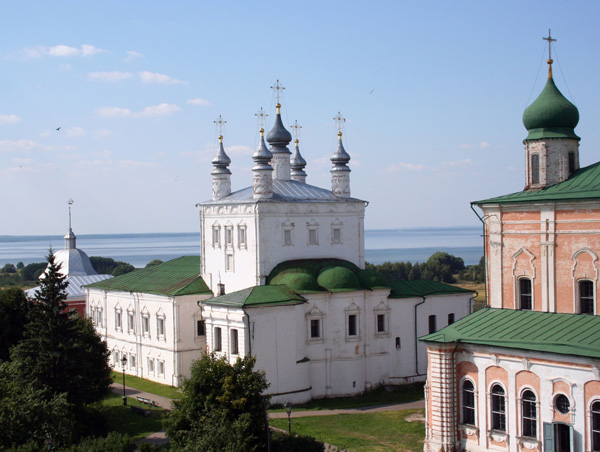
163,402
365,409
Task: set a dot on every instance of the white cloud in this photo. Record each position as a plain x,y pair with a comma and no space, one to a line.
114,76
75,132
135,164
239,149
163,109
112,112
61,50
106,154
22,145
465,162
484,145
132,55
18,161
155,77
405,167
9,119
466,146
66,67
198,101
101,133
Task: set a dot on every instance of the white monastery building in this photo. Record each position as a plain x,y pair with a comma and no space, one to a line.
280,277
524,373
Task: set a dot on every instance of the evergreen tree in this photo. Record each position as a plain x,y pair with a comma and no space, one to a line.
14,307
61,353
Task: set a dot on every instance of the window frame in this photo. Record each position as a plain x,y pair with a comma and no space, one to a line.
130,321
217,339
313,236
145,324
118,319
200,326
535,169
590,299
468,395
529,414
498,408
242,236
234,341
352,328
432,323
523,295
594,425
228,236
216,236
161,327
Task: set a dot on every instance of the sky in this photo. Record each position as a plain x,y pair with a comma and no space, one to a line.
433,94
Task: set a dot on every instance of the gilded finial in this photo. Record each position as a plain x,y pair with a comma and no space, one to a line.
220,138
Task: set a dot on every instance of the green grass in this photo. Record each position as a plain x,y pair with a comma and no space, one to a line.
122,420
374,432
147,386
381,395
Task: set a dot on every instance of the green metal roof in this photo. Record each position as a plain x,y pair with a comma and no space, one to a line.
179,276
259,296
565,334
584,184
422,288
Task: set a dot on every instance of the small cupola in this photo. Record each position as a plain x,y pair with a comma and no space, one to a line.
279,138
262,171
221,174
297,162
340,173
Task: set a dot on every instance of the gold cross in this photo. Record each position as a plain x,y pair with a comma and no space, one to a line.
262,116
550,41
340,120
220,123
277,87
296,128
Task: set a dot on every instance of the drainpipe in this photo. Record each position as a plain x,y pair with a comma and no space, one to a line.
417,338
454,395
249,332
472,301
485,260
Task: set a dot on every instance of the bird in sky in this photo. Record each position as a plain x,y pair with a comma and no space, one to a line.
58,128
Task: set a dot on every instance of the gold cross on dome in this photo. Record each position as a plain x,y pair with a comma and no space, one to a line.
340,120
220,123
262,116
296,128
278,88
550,41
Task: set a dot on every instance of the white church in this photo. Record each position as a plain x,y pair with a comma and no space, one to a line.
280,277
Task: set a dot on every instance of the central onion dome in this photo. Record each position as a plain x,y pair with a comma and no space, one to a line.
551,115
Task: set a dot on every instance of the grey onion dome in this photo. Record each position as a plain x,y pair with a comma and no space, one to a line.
297,162
340,157
262,156
279,135
221,161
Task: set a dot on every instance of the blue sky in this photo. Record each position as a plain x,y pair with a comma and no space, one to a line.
433,93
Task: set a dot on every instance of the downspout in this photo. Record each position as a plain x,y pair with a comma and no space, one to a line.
249,332
417,338
485,259
175,350
472,302
454,422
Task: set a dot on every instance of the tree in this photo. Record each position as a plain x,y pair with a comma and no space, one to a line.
9,268
61,353
222,408
33,271
14,308
122,268
20,265
153,263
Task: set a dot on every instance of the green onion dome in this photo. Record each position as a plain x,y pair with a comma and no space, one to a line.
551,115
296,279
338,278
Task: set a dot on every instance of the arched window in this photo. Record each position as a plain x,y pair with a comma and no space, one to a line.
529,414
535,169
595,427
498,408
525,294
468,403
586,297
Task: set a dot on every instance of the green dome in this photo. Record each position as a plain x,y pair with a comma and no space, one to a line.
296,279
338,278
551,115
371,278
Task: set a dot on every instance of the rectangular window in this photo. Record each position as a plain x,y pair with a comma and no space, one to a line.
216,234
468,401
145,325
150,362
353,325
160,326
242,236
315,328
130,322
118,321
381,323
234,342
116,361
529,414
525,294
229,236
336,236
131,361
200,328
432,324
498,408
161,367
571,163
229,262
586,297
217,340
451,318
287,236
312,237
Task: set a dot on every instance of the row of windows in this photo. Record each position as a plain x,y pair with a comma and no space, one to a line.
126,360
234,347
96,313
585,295
313,236
228,236
535,166
529,411
315,330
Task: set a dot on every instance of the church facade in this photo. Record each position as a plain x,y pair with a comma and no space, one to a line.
283,280
523,374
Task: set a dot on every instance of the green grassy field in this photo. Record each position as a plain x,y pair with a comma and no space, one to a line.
374,432
381,395
147,386
122,420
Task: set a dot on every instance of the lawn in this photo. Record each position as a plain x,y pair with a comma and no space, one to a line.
374,432
147,386
122,420
381,395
